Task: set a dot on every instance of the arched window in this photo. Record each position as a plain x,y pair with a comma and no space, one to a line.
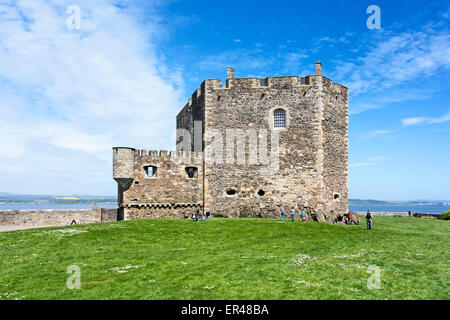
279,118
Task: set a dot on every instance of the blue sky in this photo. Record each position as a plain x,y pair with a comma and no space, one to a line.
68,95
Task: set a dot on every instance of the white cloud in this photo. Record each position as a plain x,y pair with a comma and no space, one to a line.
255,62
369,162
327,39
79,91
396,59
412,121
363,102
376,133
361,164
377,159
427,120
293,63
320,42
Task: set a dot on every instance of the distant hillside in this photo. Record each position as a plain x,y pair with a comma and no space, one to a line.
11,198
398,203
373,202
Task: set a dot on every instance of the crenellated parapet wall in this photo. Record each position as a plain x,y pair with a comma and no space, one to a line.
178,157
285,82
125,158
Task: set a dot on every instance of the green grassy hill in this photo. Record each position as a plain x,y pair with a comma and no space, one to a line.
229,259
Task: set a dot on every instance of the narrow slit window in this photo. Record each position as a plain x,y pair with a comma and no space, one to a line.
279,118
150,171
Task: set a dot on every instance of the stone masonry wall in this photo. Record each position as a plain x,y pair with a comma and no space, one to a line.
248,103
170,192
193,111
335,146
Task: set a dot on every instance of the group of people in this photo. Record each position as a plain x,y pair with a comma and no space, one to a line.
351,221
198,215
302,215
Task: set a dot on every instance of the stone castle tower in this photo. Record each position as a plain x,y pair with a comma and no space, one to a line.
250,148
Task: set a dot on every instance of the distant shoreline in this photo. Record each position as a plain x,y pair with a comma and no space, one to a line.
399,214
435,210
55,206
400,208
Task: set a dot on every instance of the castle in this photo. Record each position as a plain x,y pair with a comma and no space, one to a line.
251,148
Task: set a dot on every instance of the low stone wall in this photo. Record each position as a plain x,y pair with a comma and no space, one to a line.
56,217
400,214
109,215
391,214
160,212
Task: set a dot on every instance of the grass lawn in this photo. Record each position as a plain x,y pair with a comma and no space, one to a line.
229,259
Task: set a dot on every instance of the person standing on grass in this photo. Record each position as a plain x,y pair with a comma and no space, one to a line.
198,215
369,220
282,215
292,214
303,214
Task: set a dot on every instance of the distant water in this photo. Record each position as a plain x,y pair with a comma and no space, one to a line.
394,208
374,208
55,206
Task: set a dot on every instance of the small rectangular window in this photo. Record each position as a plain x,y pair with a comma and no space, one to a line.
150,171
191,172
279,118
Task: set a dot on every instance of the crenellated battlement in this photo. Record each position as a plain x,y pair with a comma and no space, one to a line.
125,158
157,153
164,155
209,86
255,83
196,96
284,82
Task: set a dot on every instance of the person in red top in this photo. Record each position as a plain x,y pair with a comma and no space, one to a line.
350,217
